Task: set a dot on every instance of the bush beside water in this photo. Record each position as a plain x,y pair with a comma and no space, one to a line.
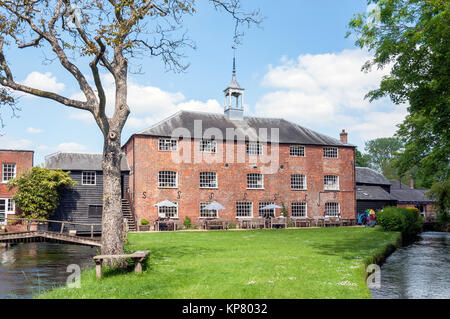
405,220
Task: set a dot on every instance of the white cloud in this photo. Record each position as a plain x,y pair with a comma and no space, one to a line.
327,90
148,104
70,147
82,115
44,81
33,130
13,143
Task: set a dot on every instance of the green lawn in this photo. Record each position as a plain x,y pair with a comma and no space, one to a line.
292,263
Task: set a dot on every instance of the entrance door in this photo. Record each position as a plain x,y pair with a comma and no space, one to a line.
3,207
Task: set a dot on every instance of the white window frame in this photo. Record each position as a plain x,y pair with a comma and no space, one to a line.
299,148
208,146
328,186
334,206
164,210
167,144
4,181
295,186
253,148
244,205
203,204
83,181
326,152
255,187
8,203
261,211
202,175
161,184
305,208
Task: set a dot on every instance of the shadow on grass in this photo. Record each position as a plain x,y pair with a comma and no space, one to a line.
361,244
156,255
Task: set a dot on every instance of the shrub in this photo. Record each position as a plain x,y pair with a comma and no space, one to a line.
440,194
232,225
284,210
405,220
144,222
290,224
38,191
187,223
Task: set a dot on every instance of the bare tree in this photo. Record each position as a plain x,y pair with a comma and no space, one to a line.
107,34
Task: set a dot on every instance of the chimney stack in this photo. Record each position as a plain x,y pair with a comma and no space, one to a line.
343,136
411,183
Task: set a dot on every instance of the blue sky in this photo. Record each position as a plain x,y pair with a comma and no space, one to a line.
298,66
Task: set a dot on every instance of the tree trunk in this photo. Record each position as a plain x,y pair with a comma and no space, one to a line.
112,219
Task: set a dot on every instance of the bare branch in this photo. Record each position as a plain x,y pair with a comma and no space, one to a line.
8,81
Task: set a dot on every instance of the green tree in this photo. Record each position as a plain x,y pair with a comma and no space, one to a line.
440,193
86,38
362,160
412,39
381,152
38,191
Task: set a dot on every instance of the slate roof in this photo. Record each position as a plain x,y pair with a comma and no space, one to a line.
365,175
372,192
79,161
403,193
248,128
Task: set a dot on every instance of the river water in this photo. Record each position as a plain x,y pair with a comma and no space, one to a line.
27,269
419,270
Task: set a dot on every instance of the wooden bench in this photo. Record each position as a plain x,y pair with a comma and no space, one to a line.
138,257
215,224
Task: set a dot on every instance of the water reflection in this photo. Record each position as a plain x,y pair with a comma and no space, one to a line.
27,269
420,270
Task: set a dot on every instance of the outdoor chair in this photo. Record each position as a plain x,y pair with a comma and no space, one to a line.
278,222
258,223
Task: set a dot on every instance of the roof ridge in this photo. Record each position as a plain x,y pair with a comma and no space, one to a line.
160,122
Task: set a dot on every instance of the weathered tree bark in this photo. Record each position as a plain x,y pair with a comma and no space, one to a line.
33,23
112,219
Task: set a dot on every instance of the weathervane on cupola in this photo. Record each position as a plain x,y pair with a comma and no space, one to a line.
234,96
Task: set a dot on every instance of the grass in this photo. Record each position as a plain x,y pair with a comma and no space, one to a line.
291,263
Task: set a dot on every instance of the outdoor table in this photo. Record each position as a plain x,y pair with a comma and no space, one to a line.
245,223
278,222
166,225
299,222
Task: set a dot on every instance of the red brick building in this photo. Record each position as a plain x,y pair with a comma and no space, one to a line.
13,162
244,163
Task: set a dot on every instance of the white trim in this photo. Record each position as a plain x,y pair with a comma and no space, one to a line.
208,187
168,187
338,210
3,172
7,212
200,211
95,178
159,211
244,217
262,180
330,147
297,145
170,148
306,210
332,187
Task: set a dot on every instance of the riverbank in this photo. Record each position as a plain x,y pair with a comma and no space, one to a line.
418,270
297,263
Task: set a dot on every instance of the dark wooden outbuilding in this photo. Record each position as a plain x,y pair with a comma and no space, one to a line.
372,190
83,203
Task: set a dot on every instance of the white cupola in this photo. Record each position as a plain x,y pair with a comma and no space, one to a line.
234,98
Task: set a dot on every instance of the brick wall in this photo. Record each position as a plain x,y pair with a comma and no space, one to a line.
146,161
23,161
